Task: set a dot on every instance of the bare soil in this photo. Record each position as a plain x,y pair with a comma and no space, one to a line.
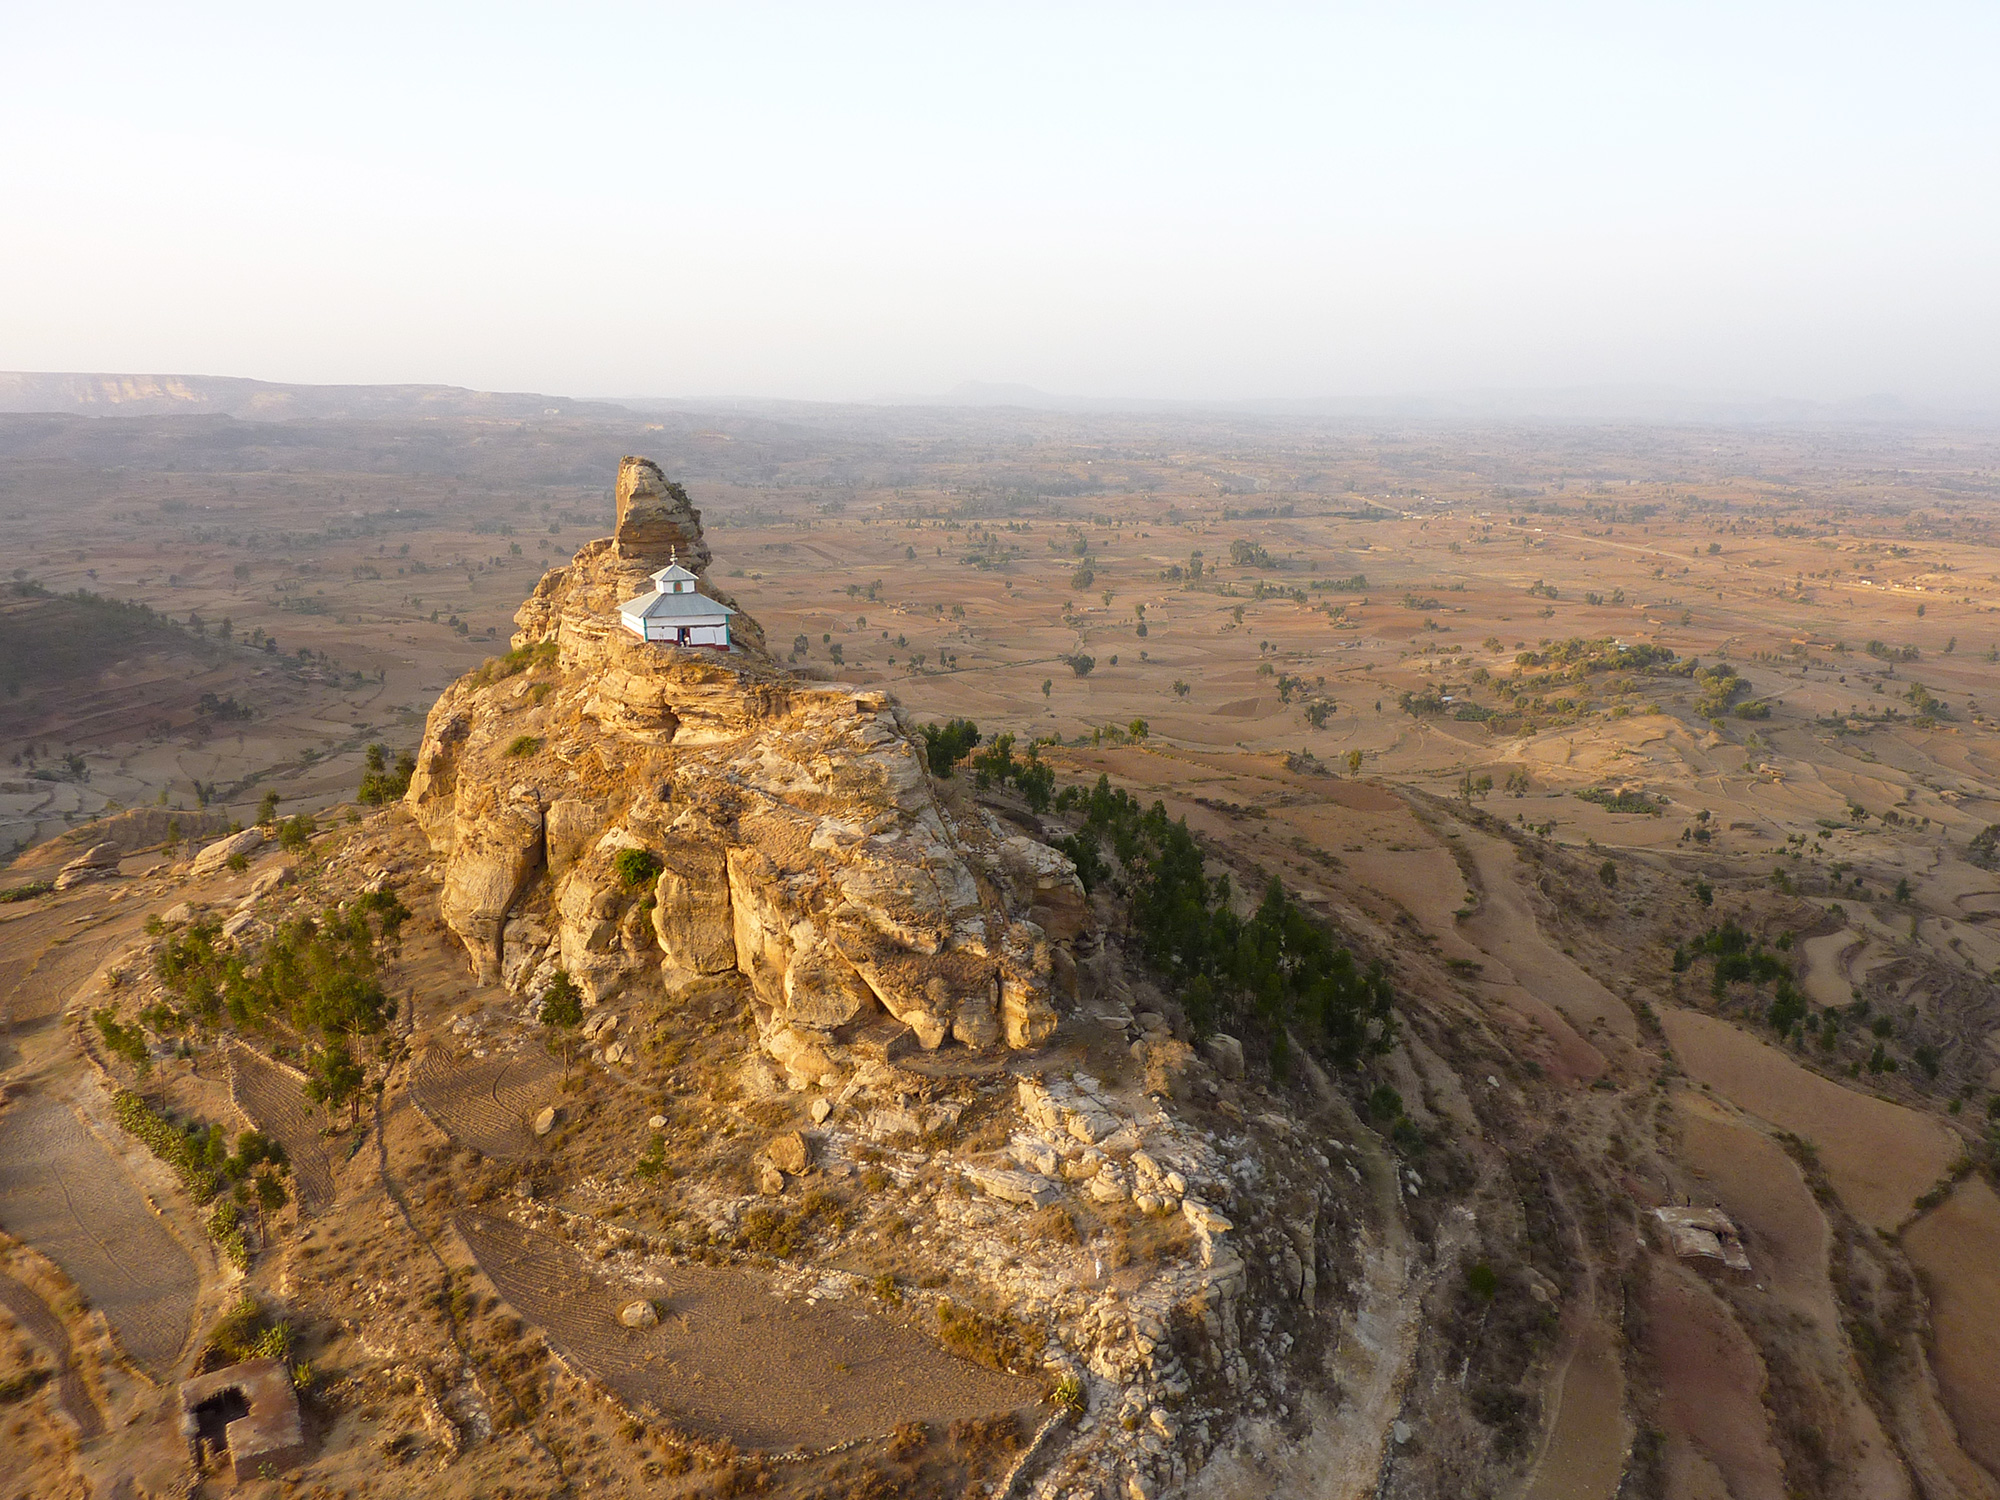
273,1099
1952,1246
65,1192
1881,1156
729,1358
488,1103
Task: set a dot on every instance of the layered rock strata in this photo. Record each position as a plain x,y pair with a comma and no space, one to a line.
638,815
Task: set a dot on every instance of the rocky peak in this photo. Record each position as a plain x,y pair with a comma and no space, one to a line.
656,519
643,816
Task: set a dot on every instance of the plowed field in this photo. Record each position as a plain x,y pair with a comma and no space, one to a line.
731,1360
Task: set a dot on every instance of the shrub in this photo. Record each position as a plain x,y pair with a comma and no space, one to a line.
1384,1103
128,1042
1483,1281
225,1227
1626,801
636,867
996,1341
523,745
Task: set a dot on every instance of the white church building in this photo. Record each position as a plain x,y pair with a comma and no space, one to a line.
674,614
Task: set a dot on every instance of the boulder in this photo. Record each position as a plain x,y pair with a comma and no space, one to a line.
789,1152
96,863
770,1179
1046,879
1025,1188
546,1120
801,1053
1204,1218
275,877
639,1313
219,853
1225,1054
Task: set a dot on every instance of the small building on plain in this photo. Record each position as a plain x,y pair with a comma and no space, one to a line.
675,614
248,1412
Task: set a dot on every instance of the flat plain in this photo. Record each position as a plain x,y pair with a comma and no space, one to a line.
1741,676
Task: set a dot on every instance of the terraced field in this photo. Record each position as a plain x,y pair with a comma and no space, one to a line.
487,1103
62,1191
32,1316
275,1102
731,1360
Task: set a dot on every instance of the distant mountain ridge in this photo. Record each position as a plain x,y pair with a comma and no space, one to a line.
131,395
109,395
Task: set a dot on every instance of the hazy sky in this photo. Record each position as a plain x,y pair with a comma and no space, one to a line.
841,201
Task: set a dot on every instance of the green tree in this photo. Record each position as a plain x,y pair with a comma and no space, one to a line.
335,1079
945,747
1354,762
267,810
379,784
562,1013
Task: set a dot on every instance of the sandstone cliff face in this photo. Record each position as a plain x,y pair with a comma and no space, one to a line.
787,831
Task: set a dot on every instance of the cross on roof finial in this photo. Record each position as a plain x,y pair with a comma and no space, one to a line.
673,555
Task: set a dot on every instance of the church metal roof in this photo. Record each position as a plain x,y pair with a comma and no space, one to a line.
660,605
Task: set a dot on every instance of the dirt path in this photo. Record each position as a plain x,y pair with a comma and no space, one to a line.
729,1359
273,1100
1880,1156
487,1103
65,1193
1506,929
35,1319
1956,1246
